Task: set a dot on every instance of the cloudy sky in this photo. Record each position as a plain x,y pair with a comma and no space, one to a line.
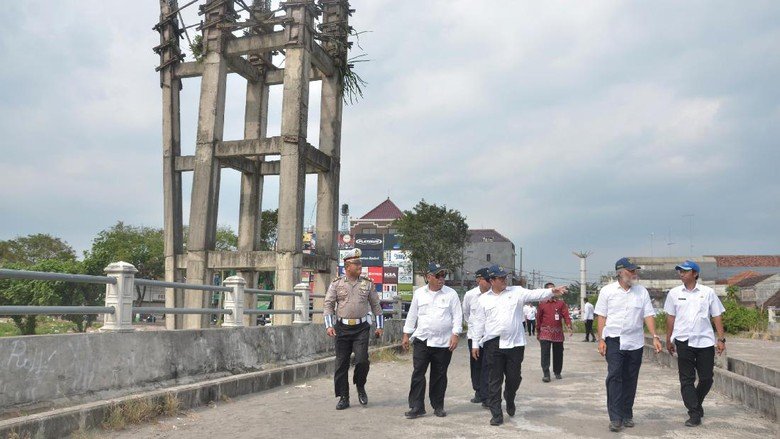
563,125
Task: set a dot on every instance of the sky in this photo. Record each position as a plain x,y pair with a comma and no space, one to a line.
614,127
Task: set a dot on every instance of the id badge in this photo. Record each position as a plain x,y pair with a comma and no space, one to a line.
557,316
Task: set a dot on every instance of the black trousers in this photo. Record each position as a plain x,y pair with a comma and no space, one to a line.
622,376
691,361
351,339
479,373
557,350
439,361
503,363
531,326
589,330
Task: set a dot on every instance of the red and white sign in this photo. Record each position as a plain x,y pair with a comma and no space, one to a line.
375,274
390,276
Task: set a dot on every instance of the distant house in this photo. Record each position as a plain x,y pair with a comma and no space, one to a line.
486,247
378,221
756,290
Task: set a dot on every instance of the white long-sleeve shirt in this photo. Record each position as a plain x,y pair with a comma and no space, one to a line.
501,315
434,316
470,303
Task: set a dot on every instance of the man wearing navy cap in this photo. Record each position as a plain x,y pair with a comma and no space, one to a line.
621,308
498,325
347,303
479,371
433,325
689,308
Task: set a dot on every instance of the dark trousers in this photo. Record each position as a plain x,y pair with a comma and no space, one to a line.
480,374
589,330
439,360
691,361
531,326
622,376
557,350
502,363
351,339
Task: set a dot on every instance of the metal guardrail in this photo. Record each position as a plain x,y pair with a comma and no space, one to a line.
271,292
182,286
46,310
56,277
158,310
271,311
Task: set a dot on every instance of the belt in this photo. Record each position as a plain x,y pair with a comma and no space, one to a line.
353,322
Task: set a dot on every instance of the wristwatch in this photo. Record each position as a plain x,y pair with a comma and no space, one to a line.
722,340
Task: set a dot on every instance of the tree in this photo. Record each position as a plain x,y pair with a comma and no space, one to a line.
572,296
31,249
137,245
433,234
268,227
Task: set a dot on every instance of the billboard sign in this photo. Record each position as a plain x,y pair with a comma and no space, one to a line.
366,241
371,258
390,276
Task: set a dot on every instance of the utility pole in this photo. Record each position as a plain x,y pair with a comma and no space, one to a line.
583,255
690,232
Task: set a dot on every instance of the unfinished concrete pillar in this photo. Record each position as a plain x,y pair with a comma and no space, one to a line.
170,56
335,22
292,170
206,172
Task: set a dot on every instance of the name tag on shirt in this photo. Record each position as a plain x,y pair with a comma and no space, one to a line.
681,298
557,316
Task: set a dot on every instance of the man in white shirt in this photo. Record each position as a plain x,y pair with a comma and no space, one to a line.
530,318
498,325
479,372
587,316
621,308
689,308
433,325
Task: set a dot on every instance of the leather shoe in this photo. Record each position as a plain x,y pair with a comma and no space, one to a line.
628,422
615,426
362,396
693,422
414,413
439,412
496,420
343,403
510,408
558,376
476,400
546,378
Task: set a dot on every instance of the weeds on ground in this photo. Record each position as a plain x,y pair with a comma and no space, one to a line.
138,411
385,355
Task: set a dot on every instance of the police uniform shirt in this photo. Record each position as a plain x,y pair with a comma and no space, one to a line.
470,302
351,299
625,312
501,315
692,310
434,316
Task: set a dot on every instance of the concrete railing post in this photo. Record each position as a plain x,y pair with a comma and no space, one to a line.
302,303
120,296
398,308
234,301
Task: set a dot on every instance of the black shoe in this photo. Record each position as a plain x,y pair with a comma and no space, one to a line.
496,420
440,413
586,340
362,396
343,403
414,413
476,400
593,341
558,376
510,408
546,378
701,411
693,422
615,426
628,422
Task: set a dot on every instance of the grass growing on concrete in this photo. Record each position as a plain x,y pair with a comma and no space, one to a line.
15,435
139,410
383,355
46,325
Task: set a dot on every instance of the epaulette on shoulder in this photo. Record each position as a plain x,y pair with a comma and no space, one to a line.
337,279
363,278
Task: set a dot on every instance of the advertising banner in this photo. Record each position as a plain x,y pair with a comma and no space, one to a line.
366,241
391,242
390,276
405,275
397,258
371,258
375,274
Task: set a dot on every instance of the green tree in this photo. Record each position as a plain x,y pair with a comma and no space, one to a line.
137,245
31,249
268,228
433,234
572,296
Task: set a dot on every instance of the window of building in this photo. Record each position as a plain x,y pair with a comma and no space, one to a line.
370,231
487,256
392,231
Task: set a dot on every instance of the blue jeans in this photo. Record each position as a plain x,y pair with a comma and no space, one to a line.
622,376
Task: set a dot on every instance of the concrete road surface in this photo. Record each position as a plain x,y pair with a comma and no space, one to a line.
572,407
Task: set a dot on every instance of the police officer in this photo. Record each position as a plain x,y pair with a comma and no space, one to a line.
689,308
347,304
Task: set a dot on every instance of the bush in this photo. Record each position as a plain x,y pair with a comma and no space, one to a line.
738,318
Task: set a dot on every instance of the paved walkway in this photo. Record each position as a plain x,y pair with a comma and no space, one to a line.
572,407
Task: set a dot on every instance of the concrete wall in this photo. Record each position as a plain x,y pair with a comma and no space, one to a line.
40,372
475,257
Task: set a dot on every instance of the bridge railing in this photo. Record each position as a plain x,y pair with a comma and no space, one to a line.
120,282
